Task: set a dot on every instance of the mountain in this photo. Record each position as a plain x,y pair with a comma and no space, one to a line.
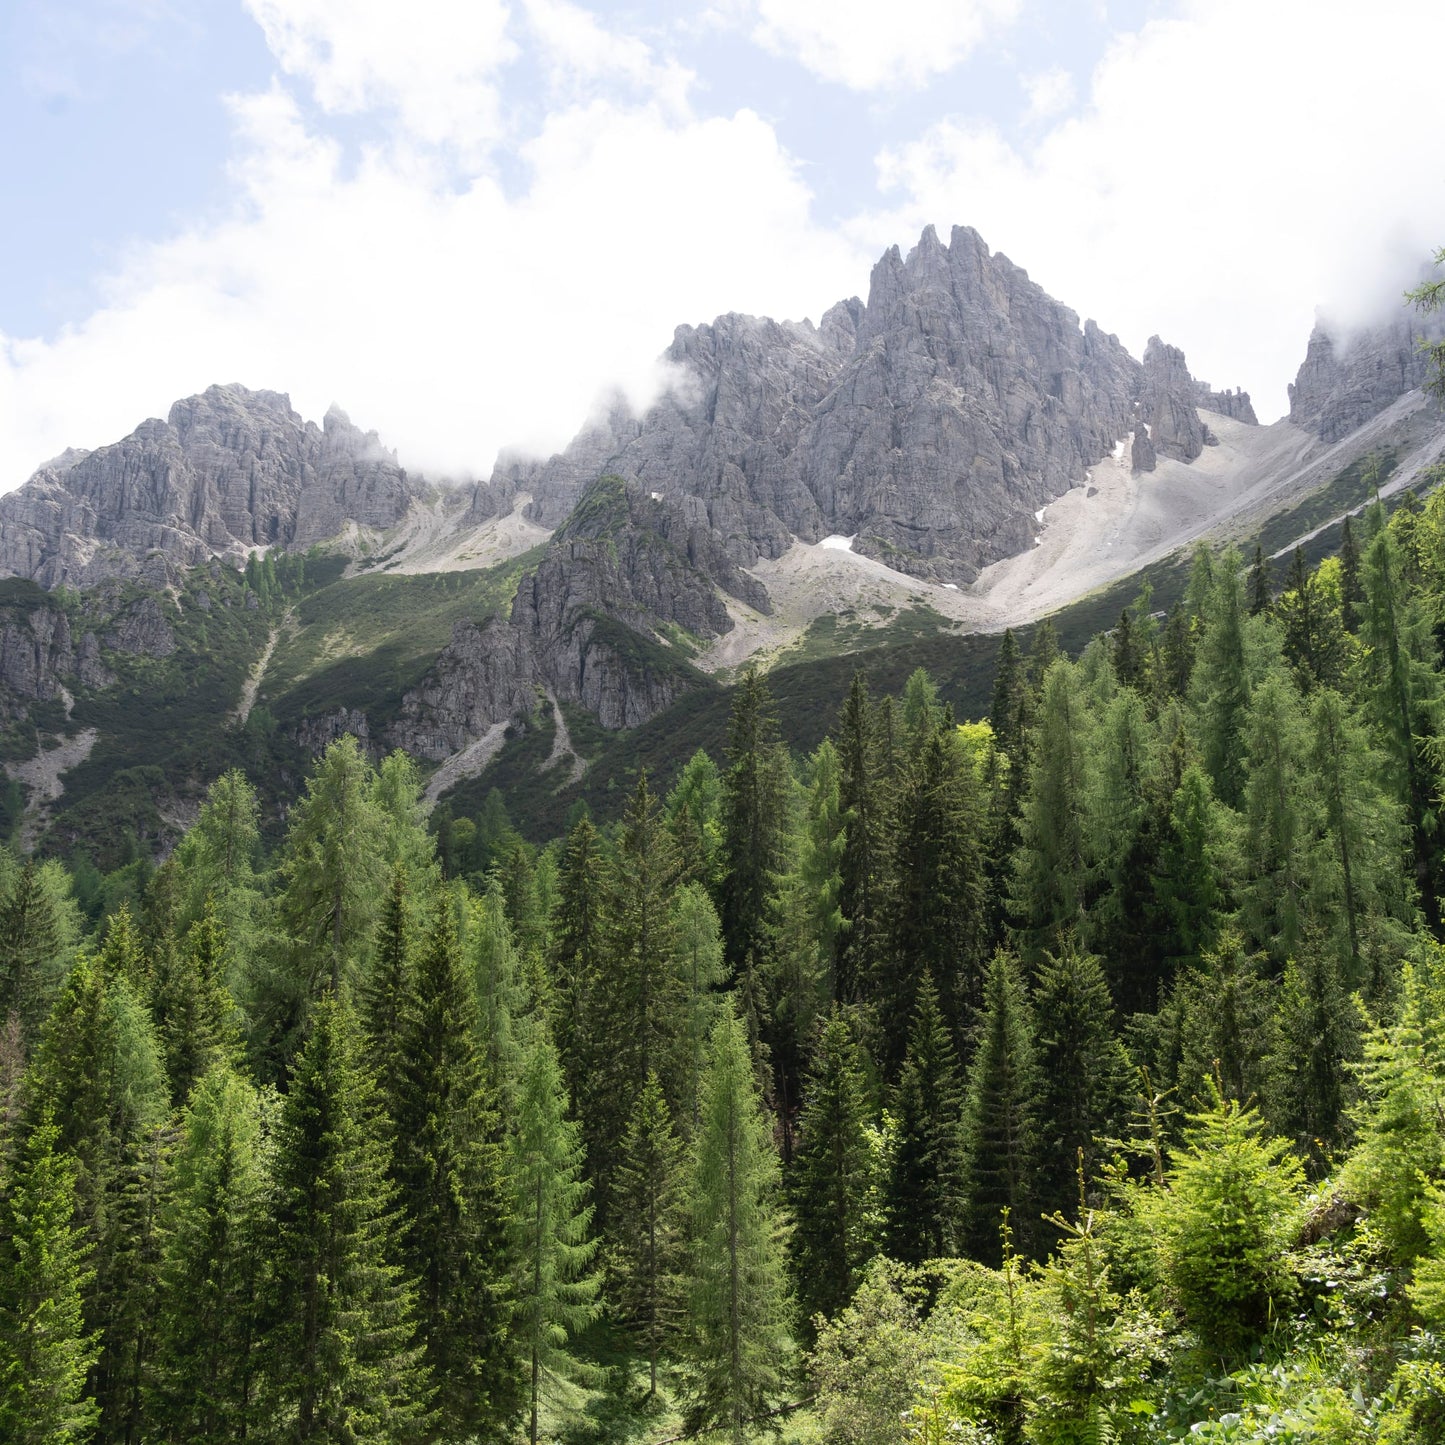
929,424
912,474
228,472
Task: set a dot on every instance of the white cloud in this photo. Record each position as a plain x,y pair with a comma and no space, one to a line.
430,62
581,53
855,44
1236,166
1050,93
453,315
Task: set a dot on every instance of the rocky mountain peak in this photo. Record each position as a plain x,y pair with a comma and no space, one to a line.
230,470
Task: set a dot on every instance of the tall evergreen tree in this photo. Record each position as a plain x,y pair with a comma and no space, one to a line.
935,916
860,866
30,950
387,986
45,1352
702,971
193,1010
1084,1075
737,1314
1219,684
694,815
1048,868
1000,1117
577,953
755,788
202,1380
925,1193
834,1184
1259,588
555,1293
217,858
338,1364
451,1190
1352,590
648,1253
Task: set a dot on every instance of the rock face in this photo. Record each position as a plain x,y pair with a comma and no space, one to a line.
1235,404
1142,456
930,424
605,621
1347,378
1168,403
229,471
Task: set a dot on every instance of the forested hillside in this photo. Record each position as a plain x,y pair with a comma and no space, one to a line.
1076,1075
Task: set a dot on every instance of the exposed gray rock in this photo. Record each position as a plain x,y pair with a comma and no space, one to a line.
1235,404
1168,403
485,675
230,471
596,624
1348,377
316,734
144,631
1142,456
90,670
930,423
36,655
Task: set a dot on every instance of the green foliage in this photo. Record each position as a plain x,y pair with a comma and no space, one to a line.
738,1344
45,1352
1223,1225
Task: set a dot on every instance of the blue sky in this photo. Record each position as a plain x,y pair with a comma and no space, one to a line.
464,220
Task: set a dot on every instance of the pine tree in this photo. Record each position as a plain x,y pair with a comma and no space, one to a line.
1048,868
1219,686
834,1184
1352,591
738,1344
45,1353
1317,1042
217,858
860,867
397,796
1279,821
701,968
924,1203
386,988
203,1376
337,1362
1188,881
694,816
1000,1117
30,950
922,712
935,915
193,1010
1084,1073
647,1256
1259,589
333,870
555,1295
501,992
755,788
577,952
451,1191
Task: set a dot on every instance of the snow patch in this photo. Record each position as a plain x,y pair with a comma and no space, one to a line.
839,543
951,586
656,496
1039,515
1120,445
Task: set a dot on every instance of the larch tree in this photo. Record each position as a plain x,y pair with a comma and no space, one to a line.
738,1341
556,1290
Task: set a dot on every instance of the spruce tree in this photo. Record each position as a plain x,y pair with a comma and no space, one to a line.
737,1297
338,1364
924,1202
1084,1074
1352,591
1259,589
834,1183
1188,883
861,864
45,1351
648,1250
701,969
694,816
935,913
1219,685
555,1293
1048,868
193,1010
755,789
30,950
577,953
448,1167
217,858
1001,1118
387,987
202,1379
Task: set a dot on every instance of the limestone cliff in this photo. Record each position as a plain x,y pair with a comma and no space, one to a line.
229,471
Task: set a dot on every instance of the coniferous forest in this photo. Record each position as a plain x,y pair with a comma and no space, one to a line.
1077,1075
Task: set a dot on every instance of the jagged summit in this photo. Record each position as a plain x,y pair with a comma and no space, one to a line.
228,471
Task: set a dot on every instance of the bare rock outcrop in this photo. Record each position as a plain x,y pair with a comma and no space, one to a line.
1168,403
930,423
1348,377
1233,404
229,471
